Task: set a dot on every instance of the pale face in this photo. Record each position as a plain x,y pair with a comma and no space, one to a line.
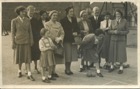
96,12
107,17
54,16
31,12
44,16
71,12
84,15
118,15
47,34
23,13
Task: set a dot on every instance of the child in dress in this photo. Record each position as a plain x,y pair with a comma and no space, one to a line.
90,51
47,60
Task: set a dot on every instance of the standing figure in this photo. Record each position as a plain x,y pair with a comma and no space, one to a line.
118,31
71,29
56,34
47,59
105,26
34,19
22,40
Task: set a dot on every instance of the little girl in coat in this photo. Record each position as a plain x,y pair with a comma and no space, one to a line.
47,59
90,52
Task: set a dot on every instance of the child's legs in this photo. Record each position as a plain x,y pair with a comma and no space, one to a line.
97,67
43,71
50,70
19,66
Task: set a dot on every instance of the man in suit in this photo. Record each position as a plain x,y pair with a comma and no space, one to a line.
95,19
95,22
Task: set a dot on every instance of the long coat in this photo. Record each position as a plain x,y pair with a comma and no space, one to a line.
56,30
69,28
106,40
36,25
95,24
117,50
70,49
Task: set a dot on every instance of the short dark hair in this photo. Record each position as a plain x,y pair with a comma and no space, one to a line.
67,9
118,10
107,13
19,9
42,12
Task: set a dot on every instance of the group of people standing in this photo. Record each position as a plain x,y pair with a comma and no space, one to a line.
35,36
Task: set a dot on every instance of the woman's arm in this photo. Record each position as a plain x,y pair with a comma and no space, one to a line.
125,31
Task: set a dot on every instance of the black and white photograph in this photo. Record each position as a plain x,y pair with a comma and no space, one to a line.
53,44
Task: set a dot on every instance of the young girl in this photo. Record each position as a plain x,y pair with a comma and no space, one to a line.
90,52
47,60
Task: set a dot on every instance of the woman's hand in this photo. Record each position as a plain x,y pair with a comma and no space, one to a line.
58,39
74,33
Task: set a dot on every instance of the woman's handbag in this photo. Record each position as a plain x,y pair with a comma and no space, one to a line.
59,51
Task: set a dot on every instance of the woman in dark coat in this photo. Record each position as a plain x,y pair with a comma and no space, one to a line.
118,31
22,40
71,29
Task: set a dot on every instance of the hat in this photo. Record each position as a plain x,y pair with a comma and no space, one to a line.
81,12
51,12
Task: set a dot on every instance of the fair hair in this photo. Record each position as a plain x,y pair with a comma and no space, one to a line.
95,8
30,7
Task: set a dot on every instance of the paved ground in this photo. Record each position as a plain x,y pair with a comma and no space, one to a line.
129,77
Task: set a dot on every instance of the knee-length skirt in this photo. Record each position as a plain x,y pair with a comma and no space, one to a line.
71,52
47,58
22,54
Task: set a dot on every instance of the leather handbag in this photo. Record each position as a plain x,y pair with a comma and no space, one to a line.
59,51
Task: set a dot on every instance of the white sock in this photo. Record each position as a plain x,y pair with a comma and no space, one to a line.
49,76
98,71
29,73
88,63
43,77
112,67
121,67
81,66
19,71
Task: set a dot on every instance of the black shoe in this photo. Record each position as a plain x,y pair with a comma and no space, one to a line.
55,75
68,73
71,72
100,75
52,78
120,71
111,70
81,69
19,74
31,78
46,81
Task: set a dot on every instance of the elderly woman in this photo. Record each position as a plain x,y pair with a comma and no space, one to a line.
85,28
118,31
56,34
22,40
71,29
